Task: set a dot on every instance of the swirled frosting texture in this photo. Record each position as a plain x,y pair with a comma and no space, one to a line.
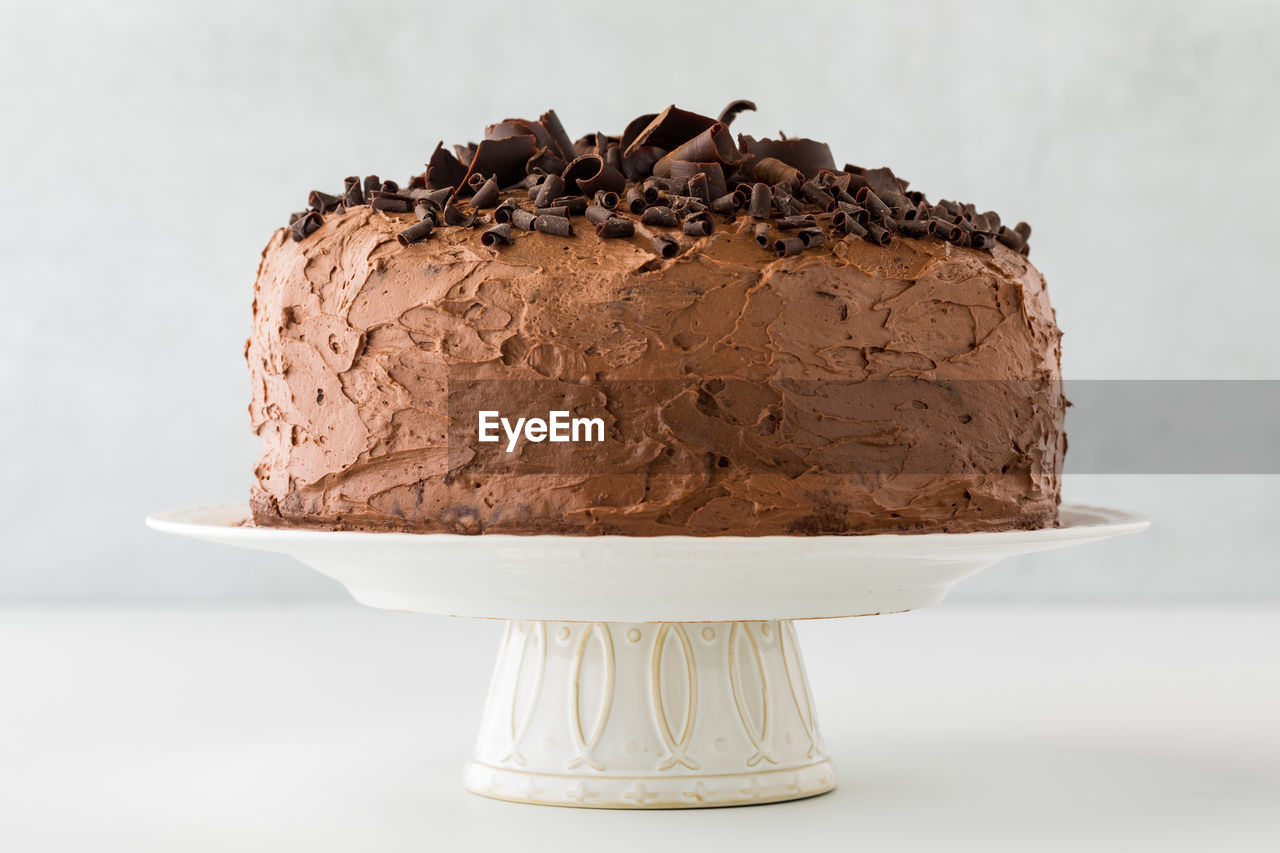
713,371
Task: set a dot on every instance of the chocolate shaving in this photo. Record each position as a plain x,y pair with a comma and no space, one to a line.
636,201
306,224
789,246
615,226
423,209
323,202
666,245
372,183
713,145
811,236
550,188
597,214
502,158
606,199
557,225
486,195
391,202
773,171
687,170
877,234
876,208
564,146
503,211
729,113
498,235
354,195
415,233
806,155
698,188
453,216
815,194
944,230
545,161
915,228
522,219
762,235
852,227
727,203
787,223
660,216
559,210
761,201
1023,230
590,173
670,128
575,204
697,224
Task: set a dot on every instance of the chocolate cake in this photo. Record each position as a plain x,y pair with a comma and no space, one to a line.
761,342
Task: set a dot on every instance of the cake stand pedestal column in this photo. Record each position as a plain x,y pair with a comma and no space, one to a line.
649,715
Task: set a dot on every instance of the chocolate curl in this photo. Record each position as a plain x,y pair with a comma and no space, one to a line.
607,199
633,129
687,170
613,156
498,235
548,190
812,236
424,210
666,246
788,223
713,145
555,210
762,235
590,173
354,195
323,202
855,212
670,128
555,130
982,240
883,181
990,217
503,212
944,230
1023,230
660,216
805,155
519,127
761,201
916,228
773,171
522,219
557,225
684,205
306,224
443,169
597,214
439,198
875,207
729,113
789,247
698,224
502,158
877,234
815,194
486,196
640,162
372,183
453,216
575,204
698,187
727,203
615,226
390,187
294,217
636,201
391,202
1010,238
465,153
417,232
545,161
851,227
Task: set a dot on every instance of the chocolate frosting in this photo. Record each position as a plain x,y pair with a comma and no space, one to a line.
708,366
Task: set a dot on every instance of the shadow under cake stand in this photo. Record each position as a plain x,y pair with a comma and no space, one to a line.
647,672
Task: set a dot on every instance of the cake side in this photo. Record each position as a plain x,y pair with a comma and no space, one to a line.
723,375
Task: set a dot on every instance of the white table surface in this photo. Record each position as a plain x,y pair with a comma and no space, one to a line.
310,728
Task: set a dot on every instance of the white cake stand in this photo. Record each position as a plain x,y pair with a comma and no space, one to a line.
654,672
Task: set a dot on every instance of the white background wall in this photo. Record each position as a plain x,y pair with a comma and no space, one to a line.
147,150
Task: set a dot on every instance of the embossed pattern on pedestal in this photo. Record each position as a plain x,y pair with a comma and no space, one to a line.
649,715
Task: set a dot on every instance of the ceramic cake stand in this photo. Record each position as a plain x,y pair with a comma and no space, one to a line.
647,672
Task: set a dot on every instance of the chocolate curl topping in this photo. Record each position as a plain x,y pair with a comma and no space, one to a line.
443,170
354,194
660,215
761,201
636,202
875,207
597,214
557,225
614,227
773,171
323,202
306,224
916,228
486,196
672,127
544,161
666,246
417,232
812,236
576,205
713,145
982,240
640,162
606,198
371,183
424,210
815,194
503,158
787,223
877,234
1023,230
561,140
498,235
634,128
788,247
698,187
727,203
548,190
390,187
522,219
453,216
806,155
391,202
762,235
851,226
519,127
555,210
729,113
698,224
590,173
944,230
503,212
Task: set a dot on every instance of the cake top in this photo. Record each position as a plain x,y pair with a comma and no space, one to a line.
670,172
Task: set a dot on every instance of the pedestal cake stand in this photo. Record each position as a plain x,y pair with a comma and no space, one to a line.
656,672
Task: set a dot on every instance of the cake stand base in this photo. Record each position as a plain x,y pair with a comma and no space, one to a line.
649,715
